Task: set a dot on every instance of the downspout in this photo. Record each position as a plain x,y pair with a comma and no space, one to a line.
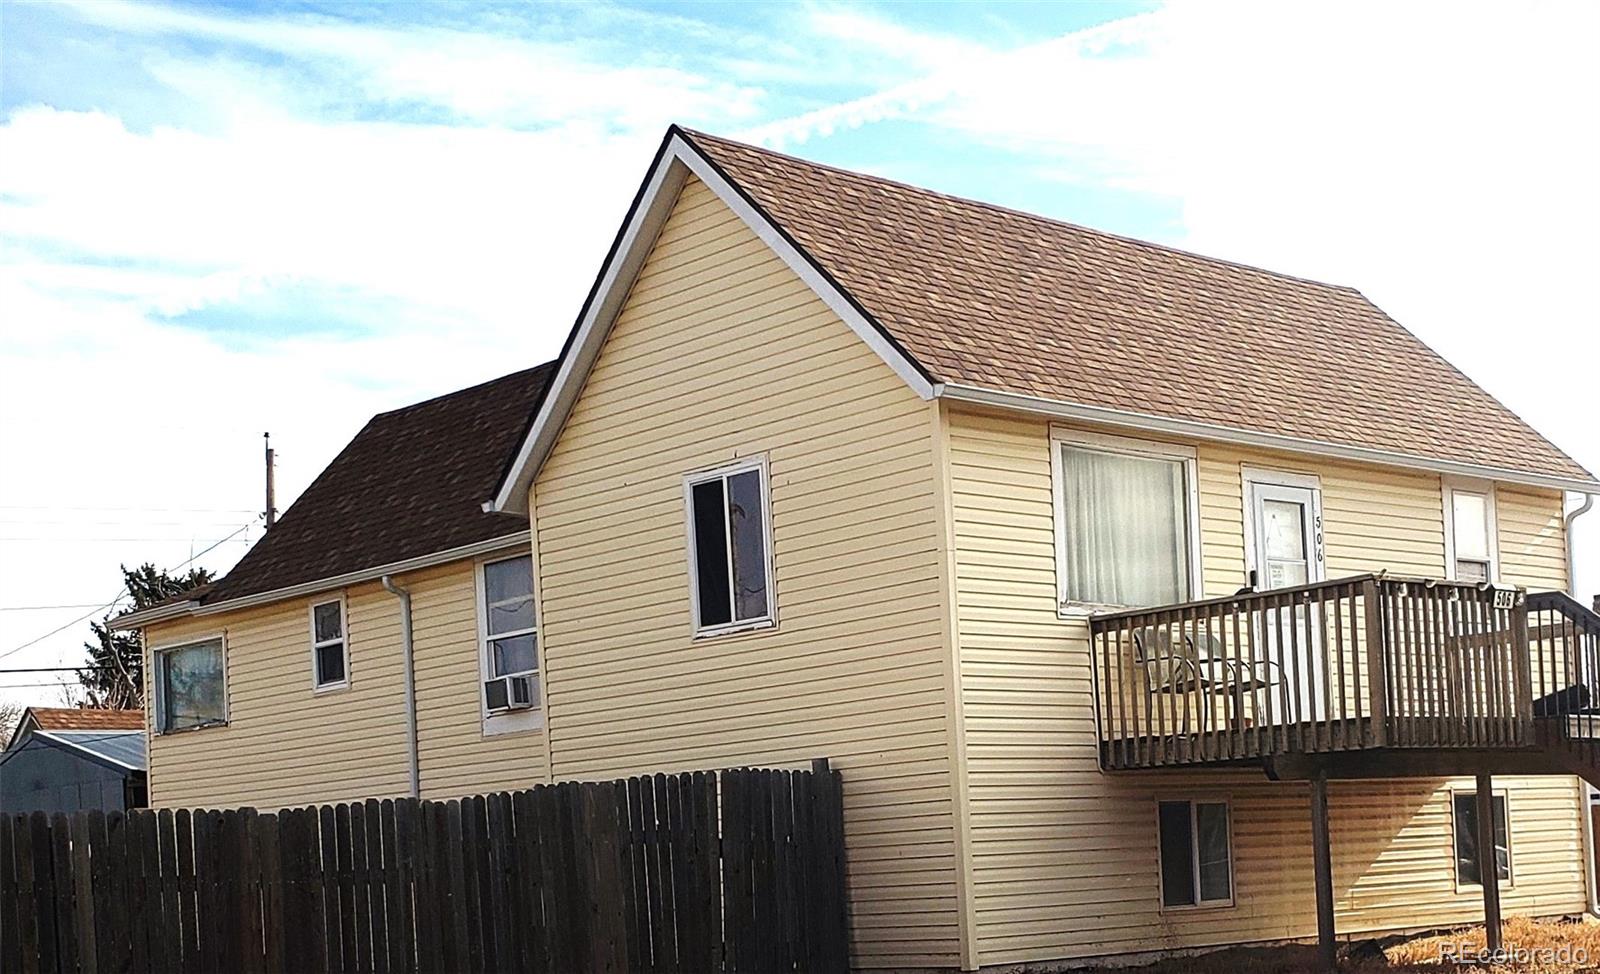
1572,564
404,595
1586,809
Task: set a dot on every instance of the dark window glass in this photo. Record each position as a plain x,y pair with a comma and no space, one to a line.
330,664
508,590
711,554
1467,839
192,689
514,654
749,545
329,624
1211,820
1177,855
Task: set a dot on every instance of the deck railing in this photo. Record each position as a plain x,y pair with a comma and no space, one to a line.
1361,662
1564,641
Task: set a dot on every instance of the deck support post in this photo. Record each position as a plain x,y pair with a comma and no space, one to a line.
1322,854
1488,863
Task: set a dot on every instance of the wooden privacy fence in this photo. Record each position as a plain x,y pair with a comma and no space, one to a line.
711,871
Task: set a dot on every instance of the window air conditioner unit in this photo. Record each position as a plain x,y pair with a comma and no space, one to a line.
511,692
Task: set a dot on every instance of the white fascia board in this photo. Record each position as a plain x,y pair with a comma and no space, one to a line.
138,620
678,160
90,752
1146,423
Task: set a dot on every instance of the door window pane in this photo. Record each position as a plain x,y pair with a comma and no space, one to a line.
1471,522
1466,822
1125,528
192,692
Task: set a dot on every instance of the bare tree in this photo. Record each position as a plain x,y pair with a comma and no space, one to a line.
10,714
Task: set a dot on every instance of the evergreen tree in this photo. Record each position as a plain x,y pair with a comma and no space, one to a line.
116,677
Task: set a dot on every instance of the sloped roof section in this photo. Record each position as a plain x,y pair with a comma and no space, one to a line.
410,484
86,719
988,297
125,748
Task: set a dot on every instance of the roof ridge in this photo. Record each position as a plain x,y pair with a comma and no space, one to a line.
1027,214
520,373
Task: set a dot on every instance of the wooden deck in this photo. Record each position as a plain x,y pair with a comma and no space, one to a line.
1391,674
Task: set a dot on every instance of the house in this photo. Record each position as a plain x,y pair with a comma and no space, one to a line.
1146,601
69,759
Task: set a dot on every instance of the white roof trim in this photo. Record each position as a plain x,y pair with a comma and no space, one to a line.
1229,434
677,160
145,617
48,735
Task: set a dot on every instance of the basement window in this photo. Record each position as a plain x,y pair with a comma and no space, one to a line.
1196,854
730,548
330,658
1466,829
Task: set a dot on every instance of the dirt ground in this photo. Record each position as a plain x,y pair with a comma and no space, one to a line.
1570,946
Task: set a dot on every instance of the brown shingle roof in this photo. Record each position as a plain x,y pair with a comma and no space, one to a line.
410,484
985,296
84,718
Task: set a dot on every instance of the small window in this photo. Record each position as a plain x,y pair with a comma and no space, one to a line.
1196,857
190,686
1466,825
329,658
730,550
511,636
1470,513
1123,530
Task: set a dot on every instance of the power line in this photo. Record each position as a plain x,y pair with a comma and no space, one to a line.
158,510
29,608
118,597
56,669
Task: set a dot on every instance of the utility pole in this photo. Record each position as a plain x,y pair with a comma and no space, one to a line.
272,509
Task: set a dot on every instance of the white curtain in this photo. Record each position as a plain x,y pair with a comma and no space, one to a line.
1124,527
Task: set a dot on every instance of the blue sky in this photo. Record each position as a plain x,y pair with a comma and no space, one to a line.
217,219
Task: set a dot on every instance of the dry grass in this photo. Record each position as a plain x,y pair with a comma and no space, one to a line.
1544,946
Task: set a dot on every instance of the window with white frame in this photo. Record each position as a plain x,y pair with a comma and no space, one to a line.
330,657
730,550
1125,528
510,635
1466,839
1196,854
1469,519
191,689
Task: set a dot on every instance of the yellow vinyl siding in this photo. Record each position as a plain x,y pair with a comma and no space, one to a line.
1064,858
1532,536
721,353
286,745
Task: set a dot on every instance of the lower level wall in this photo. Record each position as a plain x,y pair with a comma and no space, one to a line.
1069,866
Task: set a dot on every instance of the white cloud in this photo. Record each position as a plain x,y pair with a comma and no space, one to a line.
1442,158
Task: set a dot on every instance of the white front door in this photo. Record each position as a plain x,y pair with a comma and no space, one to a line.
1286,523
